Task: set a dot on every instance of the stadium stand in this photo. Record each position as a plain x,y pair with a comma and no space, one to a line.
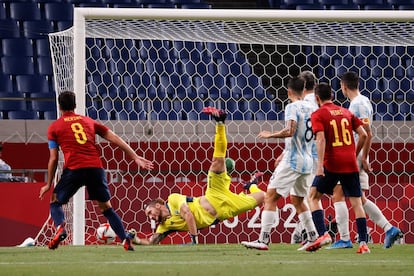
26,67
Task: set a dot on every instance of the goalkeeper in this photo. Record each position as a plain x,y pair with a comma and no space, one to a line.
183,213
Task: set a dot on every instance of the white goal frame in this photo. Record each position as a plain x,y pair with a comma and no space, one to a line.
82,14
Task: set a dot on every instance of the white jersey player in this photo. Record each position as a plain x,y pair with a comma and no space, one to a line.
290,176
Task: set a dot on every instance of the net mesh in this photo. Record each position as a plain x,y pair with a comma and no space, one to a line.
149,79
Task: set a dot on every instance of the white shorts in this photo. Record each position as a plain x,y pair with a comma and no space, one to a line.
363,176
287,181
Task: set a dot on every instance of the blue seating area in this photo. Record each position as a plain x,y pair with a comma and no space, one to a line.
216,73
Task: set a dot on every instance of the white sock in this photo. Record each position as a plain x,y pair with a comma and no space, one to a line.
268,219
375,214
306,219
342,220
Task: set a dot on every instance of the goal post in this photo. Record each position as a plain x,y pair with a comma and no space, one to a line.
146,73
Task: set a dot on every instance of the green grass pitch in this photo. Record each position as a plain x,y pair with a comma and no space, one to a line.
219,259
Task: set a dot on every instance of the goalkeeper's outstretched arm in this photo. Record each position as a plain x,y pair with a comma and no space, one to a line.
154,239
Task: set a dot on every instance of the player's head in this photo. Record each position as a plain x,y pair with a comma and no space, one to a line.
154,210
67,101
349,80
310,79
296,85
230,165
323,93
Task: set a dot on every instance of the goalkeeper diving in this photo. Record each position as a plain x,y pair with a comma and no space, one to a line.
183,213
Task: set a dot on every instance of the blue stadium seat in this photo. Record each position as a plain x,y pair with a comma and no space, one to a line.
17,46
37,28
367,2
42,47
3,14
22,115
17,65
25,11
159,6
27,84
9,28
6,84
378,7
333,2
63,25
406,7
310,7
344,7
43,102
50,115
44,66
194,6
400,2
59,11
12,101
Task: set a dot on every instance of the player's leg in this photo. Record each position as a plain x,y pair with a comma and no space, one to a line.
220,140
268,219
298,194
320,186
63,191
352,190
98,190
392,233
342,219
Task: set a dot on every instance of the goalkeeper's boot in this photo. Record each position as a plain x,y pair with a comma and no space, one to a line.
253,180
341,244
60,235
363,249
259,245
218,114
391,236
127,243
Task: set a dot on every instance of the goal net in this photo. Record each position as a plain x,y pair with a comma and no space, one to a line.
147,73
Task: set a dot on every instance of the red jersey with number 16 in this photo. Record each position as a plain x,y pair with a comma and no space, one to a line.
338,124
75,134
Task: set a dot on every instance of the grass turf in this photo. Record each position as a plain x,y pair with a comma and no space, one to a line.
219,259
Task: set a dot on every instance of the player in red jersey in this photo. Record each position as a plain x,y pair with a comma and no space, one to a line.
75,135
334,126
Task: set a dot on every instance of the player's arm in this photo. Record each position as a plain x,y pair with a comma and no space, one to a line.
188,216
367,147
362,136
320,148
51,167
139,160
154,239
287,131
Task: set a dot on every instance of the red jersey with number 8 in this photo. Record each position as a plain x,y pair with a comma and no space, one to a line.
338,124
76,136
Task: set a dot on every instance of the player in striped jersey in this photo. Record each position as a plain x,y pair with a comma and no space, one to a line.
361,106
290,176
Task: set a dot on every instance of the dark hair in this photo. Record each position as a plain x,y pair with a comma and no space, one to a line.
310,79
1,147
297,85
351,80
67,100
323,91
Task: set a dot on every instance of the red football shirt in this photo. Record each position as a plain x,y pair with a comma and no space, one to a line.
75,134
338,124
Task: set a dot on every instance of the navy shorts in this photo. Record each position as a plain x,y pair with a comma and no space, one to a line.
71,180
349,181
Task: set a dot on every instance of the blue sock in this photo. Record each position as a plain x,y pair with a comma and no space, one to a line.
56,212
362,229
319,220
115,222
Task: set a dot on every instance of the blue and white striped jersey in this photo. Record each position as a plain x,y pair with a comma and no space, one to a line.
362,108
298,148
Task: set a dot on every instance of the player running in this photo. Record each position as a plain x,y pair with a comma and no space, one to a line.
75,134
